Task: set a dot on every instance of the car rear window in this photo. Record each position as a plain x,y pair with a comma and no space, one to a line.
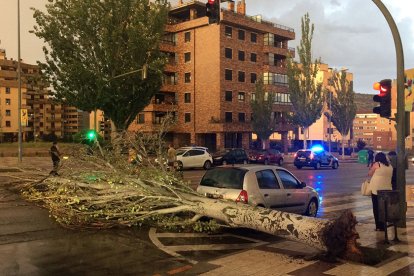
304,153
229,178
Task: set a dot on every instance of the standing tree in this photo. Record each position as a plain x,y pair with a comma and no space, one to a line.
263,123
92,45
343,107
305,91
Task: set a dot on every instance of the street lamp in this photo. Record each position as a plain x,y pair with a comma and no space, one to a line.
19,80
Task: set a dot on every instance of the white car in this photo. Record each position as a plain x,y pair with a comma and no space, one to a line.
265,186
193,157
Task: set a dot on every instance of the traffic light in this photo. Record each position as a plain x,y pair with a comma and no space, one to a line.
91,135
213,11
384,98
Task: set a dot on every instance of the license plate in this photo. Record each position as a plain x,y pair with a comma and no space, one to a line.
302,159
215,196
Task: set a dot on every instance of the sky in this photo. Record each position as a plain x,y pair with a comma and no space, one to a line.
351,34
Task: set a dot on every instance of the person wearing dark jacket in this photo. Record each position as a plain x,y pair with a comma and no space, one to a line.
55,155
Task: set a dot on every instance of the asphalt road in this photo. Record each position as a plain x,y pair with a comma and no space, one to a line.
31,243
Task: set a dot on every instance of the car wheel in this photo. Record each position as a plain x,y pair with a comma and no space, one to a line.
266,162
335,165
317,166
207,165
299,167
180,166
312,209
224,162
280,162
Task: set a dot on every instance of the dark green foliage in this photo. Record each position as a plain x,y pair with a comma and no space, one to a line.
343,106
89,42
263,124
305,90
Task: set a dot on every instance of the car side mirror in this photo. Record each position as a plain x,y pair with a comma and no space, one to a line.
302,184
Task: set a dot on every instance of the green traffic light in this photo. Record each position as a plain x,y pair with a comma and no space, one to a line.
91,135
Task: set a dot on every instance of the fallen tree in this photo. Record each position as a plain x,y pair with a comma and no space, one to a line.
91,194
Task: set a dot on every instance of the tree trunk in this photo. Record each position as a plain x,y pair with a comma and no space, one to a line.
305,137
337,237
343,147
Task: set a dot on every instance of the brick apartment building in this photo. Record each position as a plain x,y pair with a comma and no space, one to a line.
42,116
210,78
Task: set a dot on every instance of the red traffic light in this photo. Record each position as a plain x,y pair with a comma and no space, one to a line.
211,2
384,98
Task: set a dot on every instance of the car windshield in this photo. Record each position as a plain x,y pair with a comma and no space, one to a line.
180,152
222,152
230,178
304,153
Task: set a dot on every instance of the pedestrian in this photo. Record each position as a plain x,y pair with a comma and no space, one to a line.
370,158
392,156
381,174
171,157
55,154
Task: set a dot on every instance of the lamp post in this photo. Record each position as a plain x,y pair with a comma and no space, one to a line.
19,80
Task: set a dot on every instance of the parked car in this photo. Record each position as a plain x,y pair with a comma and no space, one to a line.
230,156
260,185
193,157
315,157
266,156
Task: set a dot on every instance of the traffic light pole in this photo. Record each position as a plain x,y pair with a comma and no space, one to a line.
401,159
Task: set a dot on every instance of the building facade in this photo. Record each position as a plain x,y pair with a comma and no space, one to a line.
41,116
211,75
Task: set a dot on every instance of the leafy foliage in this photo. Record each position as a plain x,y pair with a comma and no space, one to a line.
343,107
305,91
263,124
92,41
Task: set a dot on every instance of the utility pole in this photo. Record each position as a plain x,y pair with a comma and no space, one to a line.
400,112
19,80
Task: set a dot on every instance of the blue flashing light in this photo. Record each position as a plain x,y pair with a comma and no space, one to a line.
317,148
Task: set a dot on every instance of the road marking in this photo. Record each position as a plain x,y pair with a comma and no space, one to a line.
173,249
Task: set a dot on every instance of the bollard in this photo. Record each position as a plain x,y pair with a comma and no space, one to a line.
388,211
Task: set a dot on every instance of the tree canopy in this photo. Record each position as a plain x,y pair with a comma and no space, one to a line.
305,91
262,124
342,106
89,42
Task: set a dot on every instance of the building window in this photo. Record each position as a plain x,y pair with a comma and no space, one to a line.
187,37
253,96
241,55
241,34
253,37
241,96
269,39
229,117
8,101
242,117
253,57
187,77
187,97
228,74
8,124
228,31
8,112
228,53
253,77
228,96
141,118
187,57
7,90
267,78
241,76
187,117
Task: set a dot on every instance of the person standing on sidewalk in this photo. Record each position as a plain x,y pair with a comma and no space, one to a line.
381,174
171,157
55,154
370,158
